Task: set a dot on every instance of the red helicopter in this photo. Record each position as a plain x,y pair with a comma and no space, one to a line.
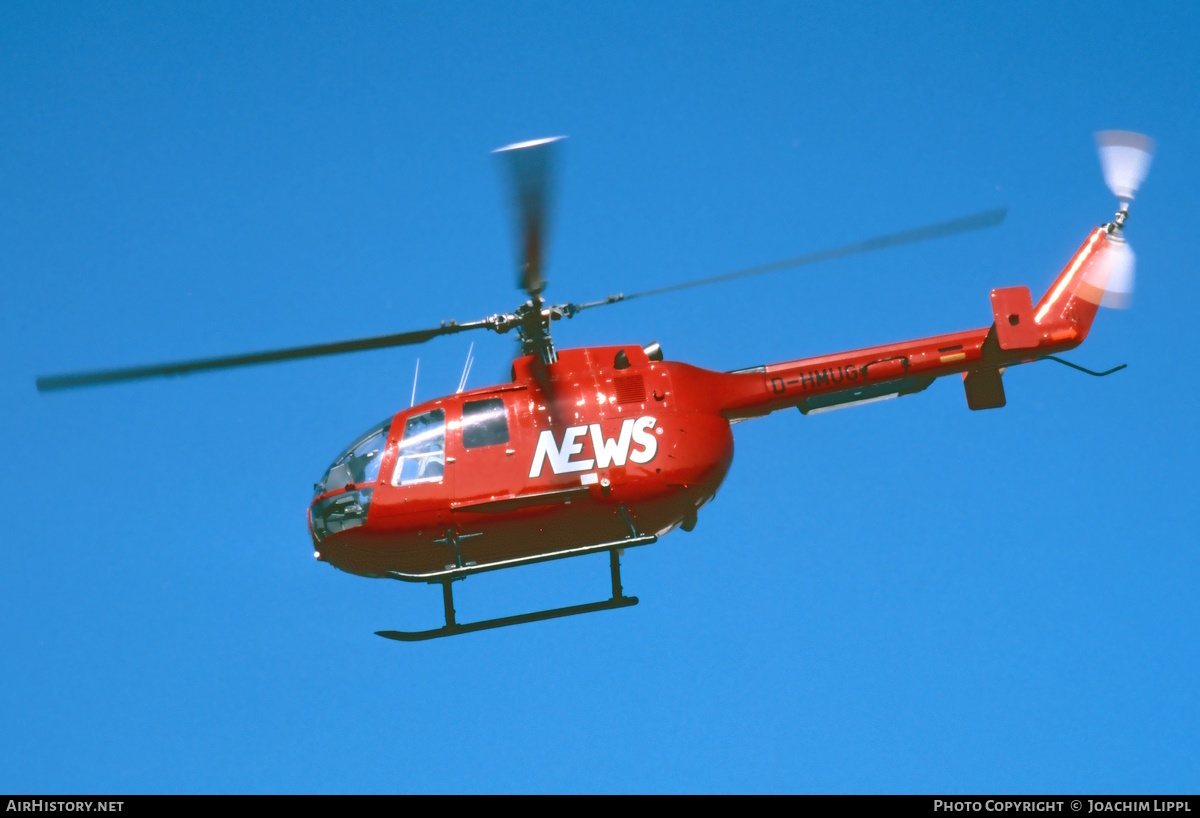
607,448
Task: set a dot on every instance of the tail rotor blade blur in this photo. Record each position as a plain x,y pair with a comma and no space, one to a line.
1125,157
1121,275
1110,278
531,168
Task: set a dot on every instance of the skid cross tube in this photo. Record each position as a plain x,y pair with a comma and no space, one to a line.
452,628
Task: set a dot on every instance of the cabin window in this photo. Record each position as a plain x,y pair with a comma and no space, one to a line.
422,451
485,423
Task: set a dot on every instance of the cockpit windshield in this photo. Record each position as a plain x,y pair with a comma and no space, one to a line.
359,464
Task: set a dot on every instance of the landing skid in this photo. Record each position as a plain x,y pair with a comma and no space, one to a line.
453,628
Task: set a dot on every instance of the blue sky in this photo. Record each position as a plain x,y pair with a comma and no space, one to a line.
906,597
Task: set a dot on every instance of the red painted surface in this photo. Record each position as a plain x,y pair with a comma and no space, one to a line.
519,510
1012,311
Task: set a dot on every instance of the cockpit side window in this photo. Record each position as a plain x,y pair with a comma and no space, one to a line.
484,423
422,451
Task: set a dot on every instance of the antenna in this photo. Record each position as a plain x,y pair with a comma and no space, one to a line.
416,372
462,382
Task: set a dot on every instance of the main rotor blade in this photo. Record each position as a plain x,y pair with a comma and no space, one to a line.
96,377
532,167
979,221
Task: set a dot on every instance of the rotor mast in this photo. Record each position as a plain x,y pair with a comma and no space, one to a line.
531,168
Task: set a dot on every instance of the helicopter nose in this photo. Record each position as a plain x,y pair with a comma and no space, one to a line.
338,513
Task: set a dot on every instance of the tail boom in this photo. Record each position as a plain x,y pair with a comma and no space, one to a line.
1020,333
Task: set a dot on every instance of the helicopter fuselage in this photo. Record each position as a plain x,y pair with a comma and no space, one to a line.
559,452
606,443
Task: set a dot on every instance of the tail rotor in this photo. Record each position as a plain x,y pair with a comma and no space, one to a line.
1125,159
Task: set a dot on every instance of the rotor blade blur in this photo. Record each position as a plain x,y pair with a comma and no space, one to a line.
1125,157
97,377
1110,276
979,221
531,166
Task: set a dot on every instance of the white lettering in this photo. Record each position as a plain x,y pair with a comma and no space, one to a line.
545,448
609,451
560,458
571,447
643,435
